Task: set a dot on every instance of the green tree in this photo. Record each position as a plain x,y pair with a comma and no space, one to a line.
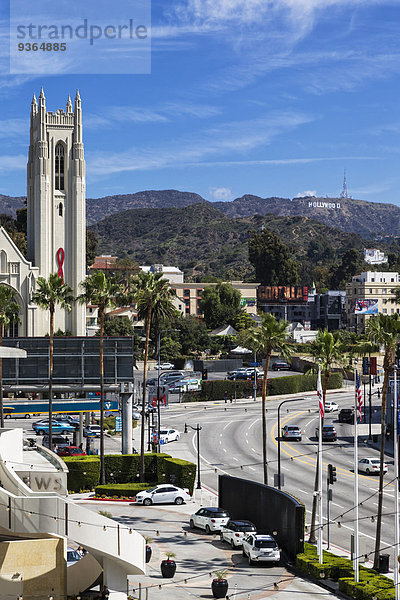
153,298
9,310
50,293
351,264
220,305
118,326
383,330
92,242
327,350
272,259
100,291
271,335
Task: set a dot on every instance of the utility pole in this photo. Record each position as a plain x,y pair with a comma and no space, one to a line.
197,429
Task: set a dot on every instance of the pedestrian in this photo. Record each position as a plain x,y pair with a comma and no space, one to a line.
226,396
230,398
105,593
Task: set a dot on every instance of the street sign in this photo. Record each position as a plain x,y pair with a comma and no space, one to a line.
118,423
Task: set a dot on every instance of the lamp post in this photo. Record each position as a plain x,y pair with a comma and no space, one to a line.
197,429
279,434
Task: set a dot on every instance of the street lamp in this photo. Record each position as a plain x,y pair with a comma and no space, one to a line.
279,434
197,429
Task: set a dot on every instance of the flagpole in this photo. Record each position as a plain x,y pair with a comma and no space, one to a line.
355,549
320,554
396,484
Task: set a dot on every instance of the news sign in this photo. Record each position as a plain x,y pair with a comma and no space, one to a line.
366,307
282,293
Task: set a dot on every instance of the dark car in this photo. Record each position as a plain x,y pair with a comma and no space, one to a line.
328,433
58,440
281,365
346,415
239,376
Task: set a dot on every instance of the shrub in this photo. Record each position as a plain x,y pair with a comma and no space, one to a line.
128,490
177,470
83,472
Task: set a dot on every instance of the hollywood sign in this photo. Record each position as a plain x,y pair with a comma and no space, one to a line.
324,205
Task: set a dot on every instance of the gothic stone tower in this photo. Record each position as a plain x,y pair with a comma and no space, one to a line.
56,204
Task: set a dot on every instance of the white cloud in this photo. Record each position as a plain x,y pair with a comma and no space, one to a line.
12,163
307,194
221,193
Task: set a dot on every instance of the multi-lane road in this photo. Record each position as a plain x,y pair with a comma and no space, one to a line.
230,442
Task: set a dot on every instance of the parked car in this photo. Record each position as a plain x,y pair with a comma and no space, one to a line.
281,365
209,518
291,432
346,415
166,366
74,421
329,433
169,435
57,427
58,440
371,465
234,532
163,493
331,406
72,556
171,376
70,451
239,376
261,548
92,431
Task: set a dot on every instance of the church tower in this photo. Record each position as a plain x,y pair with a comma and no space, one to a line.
56,218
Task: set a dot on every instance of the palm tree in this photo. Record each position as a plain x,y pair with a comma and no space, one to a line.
9,310
50,293
271,335
385,331
153,300
102,292
327,350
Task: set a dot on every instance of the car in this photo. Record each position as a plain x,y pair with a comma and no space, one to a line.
92,431
135,415
331,406
346,415
280,365
152,381
329,433
70,451
234,532
261,548
240,375
291,432
171,376
57,427
58,440
167,366
74,421
72,556
371,465
169,435
209,518
163,493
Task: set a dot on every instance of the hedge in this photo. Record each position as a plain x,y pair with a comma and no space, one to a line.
276,386
371,583
83,472
121,490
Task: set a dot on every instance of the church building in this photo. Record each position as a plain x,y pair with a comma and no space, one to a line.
56,218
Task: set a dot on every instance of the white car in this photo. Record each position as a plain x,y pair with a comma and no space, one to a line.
331,406
169,435
234,532
94,430
209,518
261,548
371,465
163,493
167,366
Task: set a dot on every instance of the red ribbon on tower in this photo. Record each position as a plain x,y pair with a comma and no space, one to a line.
60,259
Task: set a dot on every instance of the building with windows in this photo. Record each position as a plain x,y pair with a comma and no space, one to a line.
368,294
189,296
373,256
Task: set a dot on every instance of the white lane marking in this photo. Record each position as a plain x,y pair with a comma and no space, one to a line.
371,537
339,505
252,468
227,425
303,492
234,458
247,441
253,423
224,449
253,450
285,468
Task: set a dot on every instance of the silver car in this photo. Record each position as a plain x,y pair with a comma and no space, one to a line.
261,548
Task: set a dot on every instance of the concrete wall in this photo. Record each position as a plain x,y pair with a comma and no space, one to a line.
38,566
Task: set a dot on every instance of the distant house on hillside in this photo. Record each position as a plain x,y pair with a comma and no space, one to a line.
373,256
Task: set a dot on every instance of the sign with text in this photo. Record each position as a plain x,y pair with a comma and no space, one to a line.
282,293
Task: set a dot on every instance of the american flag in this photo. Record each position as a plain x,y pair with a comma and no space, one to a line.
319,394
359,397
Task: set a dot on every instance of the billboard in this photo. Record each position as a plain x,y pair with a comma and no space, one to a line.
366,307
282,293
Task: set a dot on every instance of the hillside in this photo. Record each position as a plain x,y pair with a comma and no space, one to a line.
201,240
10,204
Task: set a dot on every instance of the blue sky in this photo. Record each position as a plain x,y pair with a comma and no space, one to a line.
266,97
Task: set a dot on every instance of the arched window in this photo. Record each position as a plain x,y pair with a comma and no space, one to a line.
59,167
60,210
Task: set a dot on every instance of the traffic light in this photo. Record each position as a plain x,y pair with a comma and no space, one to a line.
331,474
204,374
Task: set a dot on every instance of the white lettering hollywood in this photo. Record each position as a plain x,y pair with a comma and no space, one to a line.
324,205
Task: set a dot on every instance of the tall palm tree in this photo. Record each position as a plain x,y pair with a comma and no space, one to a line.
385,331
50,293
102,292
153,300
271,335
327,350
9,310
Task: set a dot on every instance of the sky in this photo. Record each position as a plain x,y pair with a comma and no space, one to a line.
263,97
